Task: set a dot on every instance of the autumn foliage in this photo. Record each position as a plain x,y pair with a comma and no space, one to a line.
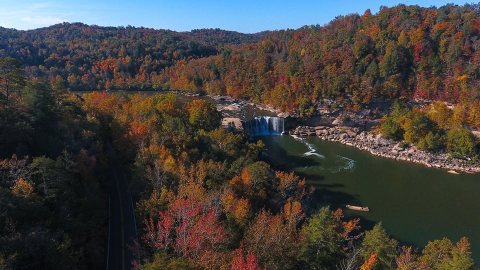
403,51
204,198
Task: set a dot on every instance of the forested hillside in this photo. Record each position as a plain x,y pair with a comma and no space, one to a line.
204,199
93,57
53,175
404,51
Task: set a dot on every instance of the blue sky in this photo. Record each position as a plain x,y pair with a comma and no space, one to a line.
246,16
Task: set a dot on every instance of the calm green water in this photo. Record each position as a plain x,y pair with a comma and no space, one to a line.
414,203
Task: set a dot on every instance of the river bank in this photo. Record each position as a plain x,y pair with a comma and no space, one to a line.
415,203
344,128
380,146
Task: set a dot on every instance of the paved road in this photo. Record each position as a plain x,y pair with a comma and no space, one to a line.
122,231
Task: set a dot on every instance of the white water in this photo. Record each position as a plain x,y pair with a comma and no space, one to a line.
348,164
344,163
264,125
312,151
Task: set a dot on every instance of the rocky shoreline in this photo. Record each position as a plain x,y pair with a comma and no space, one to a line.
332,127
380,146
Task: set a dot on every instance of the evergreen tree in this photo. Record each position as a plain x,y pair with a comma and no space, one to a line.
378,242
321,244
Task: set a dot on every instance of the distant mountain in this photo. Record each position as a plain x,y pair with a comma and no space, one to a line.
93,57
403,51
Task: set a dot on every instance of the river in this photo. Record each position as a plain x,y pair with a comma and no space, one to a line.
414,203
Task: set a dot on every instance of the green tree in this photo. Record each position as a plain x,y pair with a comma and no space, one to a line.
444,255
377,241
162,261
15,129
399,109
392,60
41,106
461,256
306,106
203,114
432,142
260,174
59,89
12,79
223,143
461,142
16,132
391,129
321,243
416,126
254,182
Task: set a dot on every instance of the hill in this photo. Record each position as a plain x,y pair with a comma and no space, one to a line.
93,57
404,51
401,52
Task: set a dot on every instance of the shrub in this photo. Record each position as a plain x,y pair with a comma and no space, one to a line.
461,143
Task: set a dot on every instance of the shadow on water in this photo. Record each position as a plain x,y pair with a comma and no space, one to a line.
281,160
336,188
278,157
325,194
290,162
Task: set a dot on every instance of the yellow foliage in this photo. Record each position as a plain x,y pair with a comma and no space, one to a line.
439,113
237,208
22,188
158,201
287,181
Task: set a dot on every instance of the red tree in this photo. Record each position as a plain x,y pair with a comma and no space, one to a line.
188,228
242,262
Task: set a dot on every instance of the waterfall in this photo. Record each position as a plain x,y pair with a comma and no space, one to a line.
264,125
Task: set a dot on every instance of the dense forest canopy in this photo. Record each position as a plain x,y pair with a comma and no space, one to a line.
403,51
93,57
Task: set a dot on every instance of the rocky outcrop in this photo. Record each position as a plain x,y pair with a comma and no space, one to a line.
232,122
380,146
